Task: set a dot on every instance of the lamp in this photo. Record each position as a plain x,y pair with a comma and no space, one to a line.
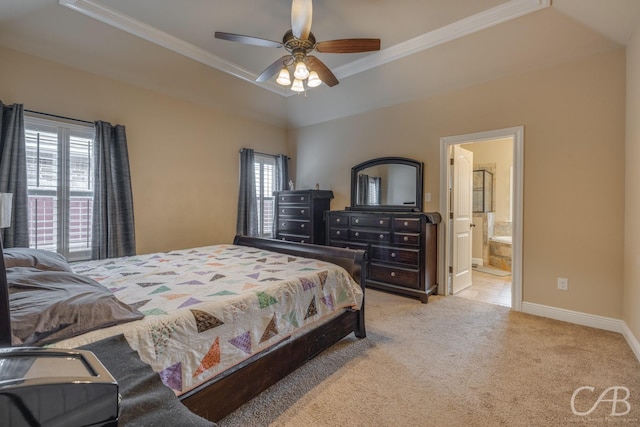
300,74
314,79
297,86
5,209
284,78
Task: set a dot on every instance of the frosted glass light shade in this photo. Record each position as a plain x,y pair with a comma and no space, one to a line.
301,72
297,86
314,80
284,78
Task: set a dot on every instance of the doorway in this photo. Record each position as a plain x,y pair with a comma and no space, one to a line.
510,217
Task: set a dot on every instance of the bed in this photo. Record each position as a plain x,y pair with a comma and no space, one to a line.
216,373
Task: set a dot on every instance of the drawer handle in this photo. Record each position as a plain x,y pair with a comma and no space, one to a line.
302,241
338,233
382,236
302,198
406,223
406,238
302,211
393,254
357,221
357,234
283,199
393,274
284,223
381,221
283,210
302,226
337,219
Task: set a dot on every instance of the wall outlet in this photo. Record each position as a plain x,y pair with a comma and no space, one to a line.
427,197
563,283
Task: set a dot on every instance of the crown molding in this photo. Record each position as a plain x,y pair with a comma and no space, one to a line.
504,12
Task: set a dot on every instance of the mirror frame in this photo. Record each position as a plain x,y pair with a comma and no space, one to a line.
383,161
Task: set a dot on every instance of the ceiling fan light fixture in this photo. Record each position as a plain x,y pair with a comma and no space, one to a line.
301,72
314,79
297,86
284,78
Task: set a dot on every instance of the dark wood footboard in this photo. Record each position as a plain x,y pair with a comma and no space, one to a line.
227,392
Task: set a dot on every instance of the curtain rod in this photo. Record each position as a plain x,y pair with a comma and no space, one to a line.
264,154
59,117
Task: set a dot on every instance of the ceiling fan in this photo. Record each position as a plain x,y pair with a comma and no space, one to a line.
299,41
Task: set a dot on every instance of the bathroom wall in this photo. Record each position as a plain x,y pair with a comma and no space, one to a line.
495,156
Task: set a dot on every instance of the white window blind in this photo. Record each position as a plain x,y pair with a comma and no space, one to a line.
265,168
60,162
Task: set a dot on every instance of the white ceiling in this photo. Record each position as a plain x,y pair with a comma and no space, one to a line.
427,46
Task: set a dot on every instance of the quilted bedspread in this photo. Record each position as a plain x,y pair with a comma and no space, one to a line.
207,309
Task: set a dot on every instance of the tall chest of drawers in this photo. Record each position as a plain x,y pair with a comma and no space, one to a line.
299,215
401,247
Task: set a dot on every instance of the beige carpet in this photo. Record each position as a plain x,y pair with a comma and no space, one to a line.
455,362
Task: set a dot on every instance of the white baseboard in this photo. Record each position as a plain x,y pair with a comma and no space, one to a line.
584,319
631,340
477,261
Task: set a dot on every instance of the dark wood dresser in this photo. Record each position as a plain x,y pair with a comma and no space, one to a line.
401,246
299,215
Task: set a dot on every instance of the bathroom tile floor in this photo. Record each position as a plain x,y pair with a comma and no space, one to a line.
488,288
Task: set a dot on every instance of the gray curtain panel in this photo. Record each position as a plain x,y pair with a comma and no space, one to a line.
113,222
247,224
13,173
282,172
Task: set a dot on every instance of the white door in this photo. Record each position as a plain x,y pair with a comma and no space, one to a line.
461,220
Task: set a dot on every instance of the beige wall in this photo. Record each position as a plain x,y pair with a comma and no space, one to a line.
183,156
632,195
574,119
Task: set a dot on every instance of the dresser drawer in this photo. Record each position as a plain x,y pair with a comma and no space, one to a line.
371,221
294,226
294,211
294,198
363,235
406,238
406,224
294,238
339,233
395,276
388,254
338,220
348,245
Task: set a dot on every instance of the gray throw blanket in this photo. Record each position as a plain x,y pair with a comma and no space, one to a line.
146,401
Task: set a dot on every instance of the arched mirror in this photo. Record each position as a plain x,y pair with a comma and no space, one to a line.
387,184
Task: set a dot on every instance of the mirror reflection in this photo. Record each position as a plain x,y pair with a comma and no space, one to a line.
387,184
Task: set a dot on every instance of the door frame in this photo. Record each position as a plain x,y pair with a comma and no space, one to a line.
517,134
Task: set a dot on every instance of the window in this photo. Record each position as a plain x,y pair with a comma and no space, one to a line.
265,167
60,167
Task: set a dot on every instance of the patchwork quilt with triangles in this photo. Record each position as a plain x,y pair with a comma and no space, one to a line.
207,309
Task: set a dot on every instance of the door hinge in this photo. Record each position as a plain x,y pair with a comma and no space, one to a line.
451,161
451,269
450,215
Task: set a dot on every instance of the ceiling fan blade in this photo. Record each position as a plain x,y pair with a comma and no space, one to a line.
272,69
348,45
247,39
301,15
323,71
